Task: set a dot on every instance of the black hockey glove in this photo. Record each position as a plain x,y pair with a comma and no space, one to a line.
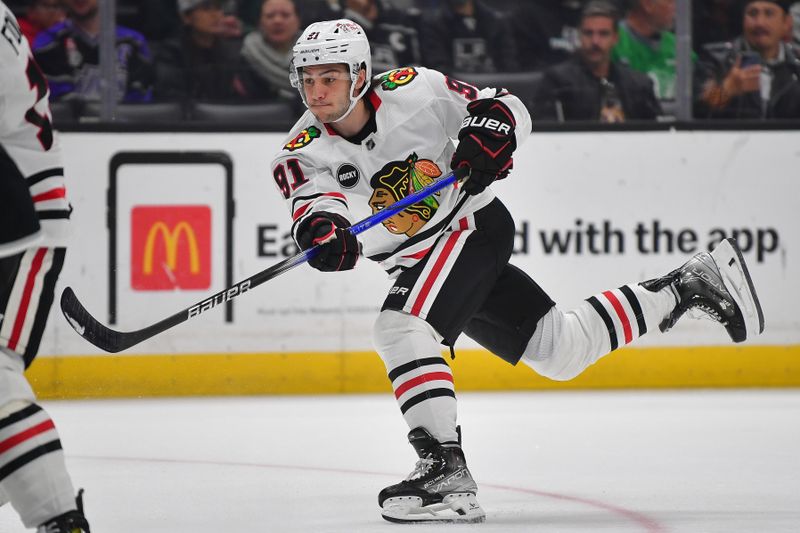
339,250
486,144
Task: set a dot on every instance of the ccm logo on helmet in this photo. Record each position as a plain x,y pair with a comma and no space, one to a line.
487,123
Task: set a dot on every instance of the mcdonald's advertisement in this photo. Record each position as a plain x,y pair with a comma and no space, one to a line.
163,221
160,235
169,233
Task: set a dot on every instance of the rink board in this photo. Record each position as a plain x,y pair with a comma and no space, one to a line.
473,370
163,220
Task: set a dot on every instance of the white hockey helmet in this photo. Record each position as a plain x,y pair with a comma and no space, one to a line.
329,42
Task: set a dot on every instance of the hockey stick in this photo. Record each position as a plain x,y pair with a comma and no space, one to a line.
115,341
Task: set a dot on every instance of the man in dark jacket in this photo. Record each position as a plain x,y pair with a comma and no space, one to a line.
755,76
468,36
589,86
200,63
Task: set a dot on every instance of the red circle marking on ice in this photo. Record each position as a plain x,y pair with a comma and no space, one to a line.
649,525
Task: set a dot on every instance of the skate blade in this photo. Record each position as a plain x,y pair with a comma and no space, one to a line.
458,508
739,284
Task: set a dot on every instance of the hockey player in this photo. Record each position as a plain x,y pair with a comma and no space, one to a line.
367,142
34,213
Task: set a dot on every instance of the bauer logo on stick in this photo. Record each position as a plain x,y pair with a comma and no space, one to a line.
219,298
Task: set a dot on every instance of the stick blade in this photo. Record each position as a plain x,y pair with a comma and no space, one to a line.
88,327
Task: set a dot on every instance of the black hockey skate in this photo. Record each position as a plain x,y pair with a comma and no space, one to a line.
71,522
440,489
718,285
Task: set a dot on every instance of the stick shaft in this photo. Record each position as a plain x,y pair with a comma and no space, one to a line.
408,201
115,341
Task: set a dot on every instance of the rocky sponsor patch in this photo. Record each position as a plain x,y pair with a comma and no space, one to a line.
347,175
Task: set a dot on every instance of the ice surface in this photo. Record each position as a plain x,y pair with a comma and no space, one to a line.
683,461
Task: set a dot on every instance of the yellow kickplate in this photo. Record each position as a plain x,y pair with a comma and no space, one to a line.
113,376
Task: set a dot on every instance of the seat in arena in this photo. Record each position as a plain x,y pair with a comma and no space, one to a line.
275,115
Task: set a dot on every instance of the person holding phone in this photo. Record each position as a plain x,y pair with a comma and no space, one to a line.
590,86
757,75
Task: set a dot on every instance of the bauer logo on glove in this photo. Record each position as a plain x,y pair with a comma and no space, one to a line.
487,123
486,144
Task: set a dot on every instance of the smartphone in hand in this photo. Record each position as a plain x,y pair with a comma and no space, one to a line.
749,58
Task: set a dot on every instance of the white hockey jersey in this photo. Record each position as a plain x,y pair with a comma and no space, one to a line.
27,139
418,112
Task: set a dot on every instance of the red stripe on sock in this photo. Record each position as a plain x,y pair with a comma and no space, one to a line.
29,433
36,265
623,317
60,192
413,382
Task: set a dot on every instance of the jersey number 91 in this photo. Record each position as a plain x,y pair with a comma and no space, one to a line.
281,178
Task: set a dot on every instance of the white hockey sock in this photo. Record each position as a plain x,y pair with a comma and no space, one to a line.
32,470
566,343
421,379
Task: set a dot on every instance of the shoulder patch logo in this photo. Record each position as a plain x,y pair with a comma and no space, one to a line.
397,78
303,138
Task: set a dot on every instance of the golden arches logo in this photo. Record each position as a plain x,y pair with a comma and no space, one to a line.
170,238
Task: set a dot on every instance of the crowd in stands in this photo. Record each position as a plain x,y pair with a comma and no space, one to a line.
587,60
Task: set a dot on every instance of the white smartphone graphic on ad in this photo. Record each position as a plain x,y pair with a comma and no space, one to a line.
170,222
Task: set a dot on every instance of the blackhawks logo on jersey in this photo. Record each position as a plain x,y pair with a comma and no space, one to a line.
303,138
395,181
397,78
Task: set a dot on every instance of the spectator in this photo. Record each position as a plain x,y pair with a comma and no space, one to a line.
794,34
308,10
232,26
40,15
545,31
69,55
589,86
160,19
647,45
267,51
199,63
715,21
467,36
392,34
757,75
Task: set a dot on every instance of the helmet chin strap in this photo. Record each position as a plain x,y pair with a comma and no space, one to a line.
349,109
353,100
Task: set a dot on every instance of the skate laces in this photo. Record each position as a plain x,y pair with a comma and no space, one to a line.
422,467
